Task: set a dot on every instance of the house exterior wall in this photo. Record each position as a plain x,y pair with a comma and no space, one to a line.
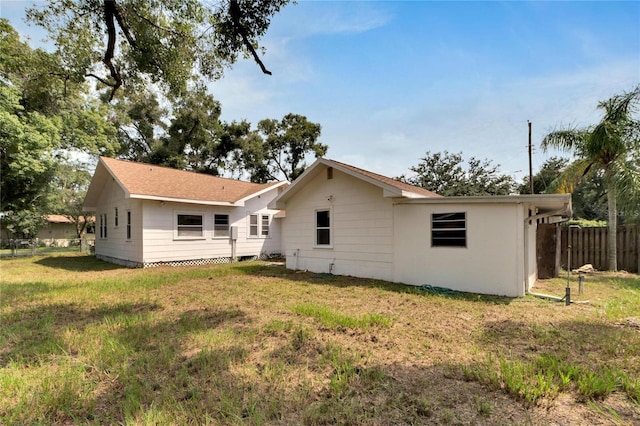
162,245
491,262
153,230
115,247
361,223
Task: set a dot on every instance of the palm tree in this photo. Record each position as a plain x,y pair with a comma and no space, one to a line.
612,147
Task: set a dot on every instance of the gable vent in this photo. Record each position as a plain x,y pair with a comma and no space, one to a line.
329,172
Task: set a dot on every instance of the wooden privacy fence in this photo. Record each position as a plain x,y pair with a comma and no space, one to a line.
589,245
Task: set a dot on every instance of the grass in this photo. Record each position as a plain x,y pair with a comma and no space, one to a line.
86,342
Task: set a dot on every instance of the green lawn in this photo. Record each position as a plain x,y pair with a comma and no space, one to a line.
87,342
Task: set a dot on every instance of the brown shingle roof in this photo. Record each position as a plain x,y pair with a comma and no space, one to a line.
388,181
148,180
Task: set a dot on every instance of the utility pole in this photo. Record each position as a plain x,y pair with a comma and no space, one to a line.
530,163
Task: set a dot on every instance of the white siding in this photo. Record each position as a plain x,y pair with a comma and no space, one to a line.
491,262
160,244
361,228
116,246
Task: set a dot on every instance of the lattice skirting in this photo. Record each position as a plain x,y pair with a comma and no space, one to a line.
189,262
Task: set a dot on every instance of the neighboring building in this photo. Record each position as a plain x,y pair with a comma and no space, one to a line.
60,230
347,221
147,215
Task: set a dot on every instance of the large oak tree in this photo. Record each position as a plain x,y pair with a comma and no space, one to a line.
130,42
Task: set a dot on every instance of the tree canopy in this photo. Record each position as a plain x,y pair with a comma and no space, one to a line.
129,42
43,119
447,174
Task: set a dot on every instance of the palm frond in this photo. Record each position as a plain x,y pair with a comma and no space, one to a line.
570,177
619,108
570,139
627,179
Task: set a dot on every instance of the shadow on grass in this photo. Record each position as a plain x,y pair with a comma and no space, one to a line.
279,271
77,263
135,358
33,332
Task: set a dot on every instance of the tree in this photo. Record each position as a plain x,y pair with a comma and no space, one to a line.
544,178
278,148
128,42
43,117
197,132
140,121
612,146
67,191
445,174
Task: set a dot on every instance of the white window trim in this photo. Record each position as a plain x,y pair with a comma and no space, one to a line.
213,229
103,226
116,218
176,213
259,216
315,228
261,233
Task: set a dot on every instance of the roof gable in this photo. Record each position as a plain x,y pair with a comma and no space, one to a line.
390,187
148,181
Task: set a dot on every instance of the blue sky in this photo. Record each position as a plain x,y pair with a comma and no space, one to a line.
389,81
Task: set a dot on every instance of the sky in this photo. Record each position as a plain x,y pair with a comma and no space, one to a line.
390,80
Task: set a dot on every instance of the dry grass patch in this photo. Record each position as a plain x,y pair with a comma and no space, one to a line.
83,341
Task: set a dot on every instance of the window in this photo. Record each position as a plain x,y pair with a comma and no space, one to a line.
220,225
190,225
449,229
128,224
253,225
265,225
323,227
259,226
103,225
115,217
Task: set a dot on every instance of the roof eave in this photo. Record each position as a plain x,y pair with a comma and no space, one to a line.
184,200
260,192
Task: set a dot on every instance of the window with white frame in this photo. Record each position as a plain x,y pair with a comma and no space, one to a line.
103,225
323,227
259,226
253,225
449,229
220,225
189,225
265,225
115,217
128,224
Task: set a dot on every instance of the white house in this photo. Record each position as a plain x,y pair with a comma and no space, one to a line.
148,215
347,221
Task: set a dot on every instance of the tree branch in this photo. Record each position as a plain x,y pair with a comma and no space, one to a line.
236,14
110,11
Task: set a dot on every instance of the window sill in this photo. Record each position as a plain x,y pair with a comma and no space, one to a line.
323,247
